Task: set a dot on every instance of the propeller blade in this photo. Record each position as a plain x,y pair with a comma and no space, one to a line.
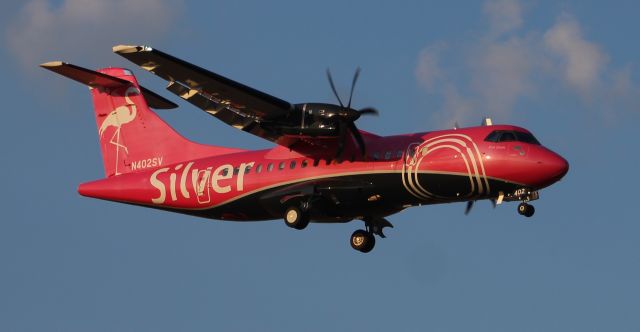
368,111
469,207
333,88
347,116
353,85
356,134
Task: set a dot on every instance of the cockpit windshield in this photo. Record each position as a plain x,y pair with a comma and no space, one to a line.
511,136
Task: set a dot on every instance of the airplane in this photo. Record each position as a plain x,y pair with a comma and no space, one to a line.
322,169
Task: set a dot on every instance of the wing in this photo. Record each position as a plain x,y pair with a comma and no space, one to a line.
238,105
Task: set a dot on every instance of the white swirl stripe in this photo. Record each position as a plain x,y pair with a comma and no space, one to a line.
463,146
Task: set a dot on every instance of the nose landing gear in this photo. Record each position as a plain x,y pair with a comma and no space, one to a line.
526,209
523,195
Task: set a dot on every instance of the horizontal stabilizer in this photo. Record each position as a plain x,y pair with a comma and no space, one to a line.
95,79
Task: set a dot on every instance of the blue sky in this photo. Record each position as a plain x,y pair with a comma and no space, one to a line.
566,70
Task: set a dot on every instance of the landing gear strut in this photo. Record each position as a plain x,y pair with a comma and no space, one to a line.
526,209
364,240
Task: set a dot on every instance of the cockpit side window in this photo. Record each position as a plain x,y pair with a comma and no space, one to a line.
507,136
494,136
526,137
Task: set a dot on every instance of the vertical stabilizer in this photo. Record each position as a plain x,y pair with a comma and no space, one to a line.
132,137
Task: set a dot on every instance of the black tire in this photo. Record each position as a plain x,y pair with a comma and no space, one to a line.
294,217
530,211
362,241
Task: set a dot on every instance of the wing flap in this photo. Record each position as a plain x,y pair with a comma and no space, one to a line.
222,111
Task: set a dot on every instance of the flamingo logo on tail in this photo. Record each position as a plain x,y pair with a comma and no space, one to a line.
118,117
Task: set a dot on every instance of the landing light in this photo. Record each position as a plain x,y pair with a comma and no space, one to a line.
374,198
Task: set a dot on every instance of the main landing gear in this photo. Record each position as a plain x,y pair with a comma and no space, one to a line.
364,240
296,217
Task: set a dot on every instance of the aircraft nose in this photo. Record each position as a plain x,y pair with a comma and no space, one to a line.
556,166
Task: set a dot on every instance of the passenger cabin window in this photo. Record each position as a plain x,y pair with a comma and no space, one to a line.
511,136
293,164
399,154
270,167
247,169
376,156
281,166
259,168
316,162
304,163
387,155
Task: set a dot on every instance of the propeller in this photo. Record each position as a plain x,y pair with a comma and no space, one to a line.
469,207
347,116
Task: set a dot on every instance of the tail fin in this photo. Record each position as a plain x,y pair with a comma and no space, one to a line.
132,137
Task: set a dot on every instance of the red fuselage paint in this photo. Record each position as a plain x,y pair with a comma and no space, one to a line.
213,182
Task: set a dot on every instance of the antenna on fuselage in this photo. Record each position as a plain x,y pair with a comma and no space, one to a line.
487,122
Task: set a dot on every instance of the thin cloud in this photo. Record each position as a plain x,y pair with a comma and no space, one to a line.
504,16
501,74
428,71
582,61
436,80
498,65
458,108
85,29
505,64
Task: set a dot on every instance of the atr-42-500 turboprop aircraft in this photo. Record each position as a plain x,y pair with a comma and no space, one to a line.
323,168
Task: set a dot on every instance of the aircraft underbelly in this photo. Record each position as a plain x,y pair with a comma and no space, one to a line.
386,195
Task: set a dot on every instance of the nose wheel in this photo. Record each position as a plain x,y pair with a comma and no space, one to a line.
526,209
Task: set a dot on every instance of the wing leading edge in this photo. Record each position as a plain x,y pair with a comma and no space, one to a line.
236,104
